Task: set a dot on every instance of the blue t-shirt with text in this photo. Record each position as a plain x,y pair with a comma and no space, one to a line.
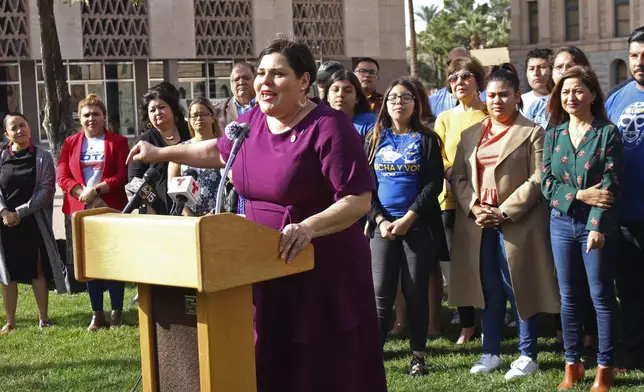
397,164
625,109
538,112
364,123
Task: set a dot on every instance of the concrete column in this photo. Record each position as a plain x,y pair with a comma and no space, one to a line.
515,22
140,88
172,29
592,9
361,39
170,71
270,18
545,22
68,25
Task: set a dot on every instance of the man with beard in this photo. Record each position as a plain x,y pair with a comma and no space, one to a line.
243,99
625,109
538,65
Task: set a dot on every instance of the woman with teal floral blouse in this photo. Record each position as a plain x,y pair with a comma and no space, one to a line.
582,163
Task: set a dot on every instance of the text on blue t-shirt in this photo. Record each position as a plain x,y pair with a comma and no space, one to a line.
397,164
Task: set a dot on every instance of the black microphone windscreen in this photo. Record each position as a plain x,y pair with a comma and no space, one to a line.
235,129
192,173
152,176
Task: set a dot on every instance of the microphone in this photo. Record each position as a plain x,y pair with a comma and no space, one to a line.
237,132
184,191
142,190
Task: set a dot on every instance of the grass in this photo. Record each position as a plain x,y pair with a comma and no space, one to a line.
68,358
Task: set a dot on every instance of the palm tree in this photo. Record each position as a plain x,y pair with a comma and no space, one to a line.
475,26
427,13
413,61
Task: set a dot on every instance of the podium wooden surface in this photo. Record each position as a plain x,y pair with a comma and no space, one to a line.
219,256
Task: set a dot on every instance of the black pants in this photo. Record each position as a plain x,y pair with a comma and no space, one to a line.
412,256
628,278
465,313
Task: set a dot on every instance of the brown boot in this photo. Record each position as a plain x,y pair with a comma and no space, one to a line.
603,379
574,374
98,321
116,319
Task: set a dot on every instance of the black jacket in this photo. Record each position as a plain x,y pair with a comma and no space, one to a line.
430,185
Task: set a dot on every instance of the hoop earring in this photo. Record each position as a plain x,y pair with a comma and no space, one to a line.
303,104
176,119
149,125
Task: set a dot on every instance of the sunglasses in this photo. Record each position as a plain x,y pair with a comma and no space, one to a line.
465,76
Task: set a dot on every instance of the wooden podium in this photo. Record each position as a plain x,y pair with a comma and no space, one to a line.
194,280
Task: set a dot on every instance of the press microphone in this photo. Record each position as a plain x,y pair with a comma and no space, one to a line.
184,191
142,190
237,132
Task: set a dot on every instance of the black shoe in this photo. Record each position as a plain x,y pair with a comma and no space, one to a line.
417,366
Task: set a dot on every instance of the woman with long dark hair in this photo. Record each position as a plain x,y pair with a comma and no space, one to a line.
166,126
503,253
406,159
583,160
344,92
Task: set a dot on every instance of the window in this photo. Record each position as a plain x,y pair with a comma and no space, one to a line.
622,18
619,72
572,20
533,22
112,82
9,89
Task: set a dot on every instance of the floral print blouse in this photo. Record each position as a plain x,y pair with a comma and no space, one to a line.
599,158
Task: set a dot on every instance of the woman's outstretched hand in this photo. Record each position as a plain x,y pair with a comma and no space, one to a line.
143,152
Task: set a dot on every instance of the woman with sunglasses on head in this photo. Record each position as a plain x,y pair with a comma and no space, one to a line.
343,92
465,79
204,126
503,253
582,163
406,158
28,251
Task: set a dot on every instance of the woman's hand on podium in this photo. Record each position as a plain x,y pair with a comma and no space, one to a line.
295,237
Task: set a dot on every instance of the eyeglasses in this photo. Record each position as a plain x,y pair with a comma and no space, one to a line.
405,98
366,72
195,116
465,76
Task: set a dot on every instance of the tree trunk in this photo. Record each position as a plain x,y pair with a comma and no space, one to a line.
57,121
413,61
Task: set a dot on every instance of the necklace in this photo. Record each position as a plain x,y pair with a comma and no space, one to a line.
576,136
169,137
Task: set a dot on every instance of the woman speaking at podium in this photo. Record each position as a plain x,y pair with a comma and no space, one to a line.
304,173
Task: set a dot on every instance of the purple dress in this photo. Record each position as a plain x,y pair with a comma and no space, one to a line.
318,330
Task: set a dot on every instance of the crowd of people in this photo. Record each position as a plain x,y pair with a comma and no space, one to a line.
532,199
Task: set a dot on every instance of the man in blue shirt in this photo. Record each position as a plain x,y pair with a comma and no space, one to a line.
625,108
442,99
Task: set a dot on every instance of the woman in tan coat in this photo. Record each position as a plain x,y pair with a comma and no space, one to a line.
501,232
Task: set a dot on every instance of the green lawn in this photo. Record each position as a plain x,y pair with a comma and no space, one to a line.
67,358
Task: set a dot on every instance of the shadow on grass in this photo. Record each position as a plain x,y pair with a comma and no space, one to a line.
81,319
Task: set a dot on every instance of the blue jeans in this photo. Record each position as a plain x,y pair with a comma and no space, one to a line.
569,237
497,288
95,289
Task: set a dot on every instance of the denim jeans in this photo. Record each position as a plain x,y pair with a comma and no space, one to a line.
569,237
629,265
497,288
412,255
95,289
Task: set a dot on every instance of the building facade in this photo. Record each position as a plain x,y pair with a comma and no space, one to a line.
598,27
118,50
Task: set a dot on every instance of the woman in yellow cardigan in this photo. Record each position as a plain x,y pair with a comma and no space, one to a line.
465,79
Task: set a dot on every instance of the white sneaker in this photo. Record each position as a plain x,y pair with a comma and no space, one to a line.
524,366
486,364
